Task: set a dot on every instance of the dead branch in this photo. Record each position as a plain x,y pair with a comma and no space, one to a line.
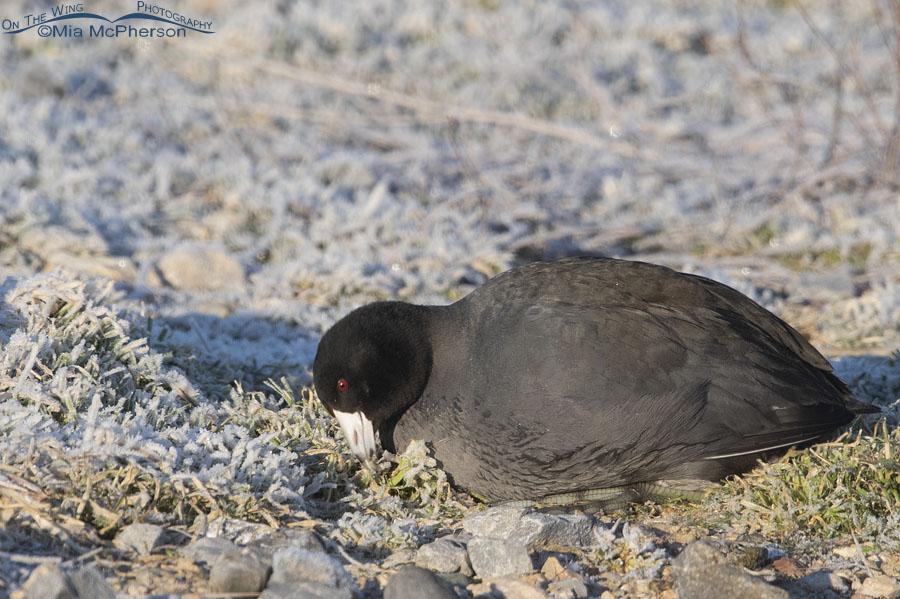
432,111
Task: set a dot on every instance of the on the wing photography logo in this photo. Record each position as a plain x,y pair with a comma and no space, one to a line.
71,20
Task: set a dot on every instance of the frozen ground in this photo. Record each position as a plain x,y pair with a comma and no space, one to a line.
227,197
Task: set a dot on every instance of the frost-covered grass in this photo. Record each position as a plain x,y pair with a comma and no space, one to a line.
846,488
323,155
850,487
114,435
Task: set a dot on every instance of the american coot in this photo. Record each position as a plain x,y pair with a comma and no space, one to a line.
561,379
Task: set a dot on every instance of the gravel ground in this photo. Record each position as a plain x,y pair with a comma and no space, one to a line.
181,219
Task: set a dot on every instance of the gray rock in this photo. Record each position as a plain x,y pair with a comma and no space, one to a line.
241,532
304,590
564,530
495,522
444,555
568,588
823,583
208,550
881,586
52,582
49,582
294,565
299,573
201,269
89,582
701,572
532,529
412,582
139,538
492,558
506,588
305,539
243,572
283,538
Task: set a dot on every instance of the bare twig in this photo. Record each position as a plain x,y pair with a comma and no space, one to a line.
861,557
29,559
85,556
880,140
437,112
479,174
892,150
837,117
792,138
854,73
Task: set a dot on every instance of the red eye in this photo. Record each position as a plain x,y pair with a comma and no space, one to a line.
343,386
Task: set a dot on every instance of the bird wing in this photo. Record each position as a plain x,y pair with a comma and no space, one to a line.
597,396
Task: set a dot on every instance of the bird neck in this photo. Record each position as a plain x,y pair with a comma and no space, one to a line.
407,332
410,337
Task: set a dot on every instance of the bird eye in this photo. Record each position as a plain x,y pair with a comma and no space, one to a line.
343,386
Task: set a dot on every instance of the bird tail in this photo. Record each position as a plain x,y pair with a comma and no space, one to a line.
861,407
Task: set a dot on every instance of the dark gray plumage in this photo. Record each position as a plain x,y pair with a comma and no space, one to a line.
581,374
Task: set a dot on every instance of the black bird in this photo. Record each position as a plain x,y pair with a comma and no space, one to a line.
581,379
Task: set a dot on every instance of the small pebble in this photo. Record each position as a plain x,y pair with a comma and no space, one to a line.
444,555
532,529
412,582
267,545
306,539
49,582
52,582
304,590
847,552
508,588
569,588
552,568
243,572
881,586
492,558
293,564
702,572
207,550
139,538
89,582
822,581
